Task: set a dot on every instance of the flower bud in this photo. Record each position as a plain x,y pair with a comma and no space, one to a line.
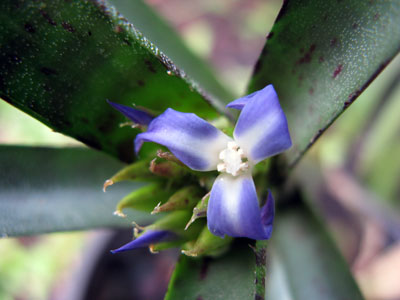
166,168
144,198
200,210
137,170
185,198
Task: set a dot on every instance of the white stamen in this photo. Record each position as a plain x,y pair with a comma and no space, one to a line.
232,160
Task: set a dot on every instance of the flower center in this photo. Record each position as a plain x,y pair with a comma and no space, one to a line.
234,160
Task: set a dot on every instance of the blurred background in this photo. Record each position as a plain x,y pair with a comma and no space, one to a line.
355,167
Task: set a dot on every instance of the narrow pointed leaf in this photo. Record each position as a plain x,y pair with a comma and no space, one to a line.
168,41
305,263
231,276
50,189
61,60
320,55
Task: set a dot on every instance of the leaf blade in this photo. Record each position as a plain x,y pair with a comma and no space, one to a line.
232,276
305,262
161,34
320,56
49,189
61,60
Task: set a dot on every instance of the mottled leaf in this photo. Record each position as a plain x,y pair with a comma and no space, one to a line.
320,55
60,61
50,189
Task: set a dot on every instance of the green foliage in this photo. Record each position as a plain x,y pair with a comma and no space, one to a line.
313,268
50,189
170,43
229,277
320,55
60,61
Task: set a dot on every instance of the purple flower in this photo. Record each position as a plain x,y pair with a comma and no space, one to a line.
137,116
261,131
146,239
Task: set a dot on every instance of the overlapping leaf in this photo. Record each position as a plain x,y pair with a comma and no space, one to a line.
320,55
61,60
50,189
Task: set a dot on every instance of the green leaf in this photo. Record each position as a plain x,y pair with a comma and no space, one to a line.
50,189
305,263
320,55
170,43
232,276
60,61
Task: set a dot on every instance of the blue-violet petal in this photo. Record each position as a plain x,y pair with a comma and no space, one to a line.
233,209
146,239
137,116
262,129
192,140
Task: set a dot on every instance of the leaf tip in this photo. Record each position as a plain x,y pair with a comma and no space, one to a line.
107,183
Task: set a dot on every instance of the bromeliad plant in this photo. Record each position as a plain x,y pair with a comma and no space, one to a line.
233,208
61,60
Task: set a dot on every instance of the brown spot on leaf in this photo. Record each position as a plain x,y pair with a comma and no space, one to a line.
354,26
29,28
321,59
150,66
306,58
68,27
333,42
311,91
199,298
376,17
337,71
47,17
118,29
140,82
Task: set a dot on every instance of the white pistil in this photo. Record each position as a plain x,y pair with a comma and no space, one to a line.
232,158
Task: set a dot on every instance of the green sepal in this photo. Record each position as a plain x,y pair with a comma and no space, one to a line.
185,198
165,168
135,171
144,198
174,221
208,244
200,211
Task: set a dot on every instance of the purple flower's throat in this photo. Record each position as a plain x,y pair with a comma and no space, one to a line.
234,161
